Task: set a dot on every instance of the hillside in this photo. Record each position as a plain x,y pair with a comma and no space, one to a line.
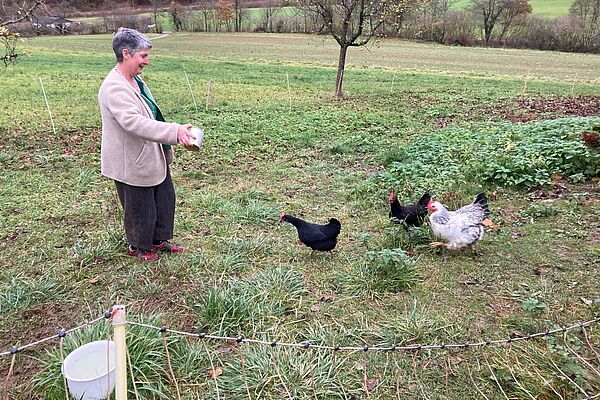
542,8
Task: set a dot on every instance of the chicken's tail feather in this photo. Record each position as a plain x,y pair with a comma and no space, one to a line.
424,200
482,201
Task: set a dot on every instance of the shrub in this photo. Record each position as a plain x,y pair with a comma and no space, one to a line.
460,28
534,33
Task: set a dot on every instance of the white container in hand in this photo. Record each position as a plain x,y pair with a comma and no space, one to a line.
199,135
90,369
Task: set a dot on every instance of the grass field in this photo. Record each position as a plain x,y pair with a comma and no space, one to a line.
541,8
270,147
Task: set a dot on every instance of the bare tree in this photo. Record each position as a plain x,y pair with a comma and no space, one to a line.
271,9
156,8
492,10
354,23
434,14
12,12
588,11
206,9
176,11
238,14
513,13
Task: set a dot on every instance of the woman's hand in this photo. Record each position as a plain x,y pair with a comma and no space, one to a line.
184,136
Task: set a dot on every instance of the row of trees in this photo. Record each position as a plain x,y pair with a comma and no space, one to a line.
489,22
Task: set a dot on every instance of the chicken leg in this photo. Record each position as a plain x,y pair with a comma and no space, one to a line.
444,247
438,244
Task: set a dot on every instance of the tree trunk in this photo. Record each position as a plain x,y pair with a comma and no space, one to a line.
340,72
237,15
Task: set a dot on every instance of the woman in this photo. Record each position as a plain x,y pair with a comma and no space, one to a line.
136,149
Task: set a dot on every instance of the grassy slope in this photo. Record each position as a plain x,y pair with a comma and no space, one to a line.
542,8
60,222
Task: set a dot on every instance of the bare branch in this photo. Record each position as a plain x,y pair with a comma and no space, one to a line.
24,12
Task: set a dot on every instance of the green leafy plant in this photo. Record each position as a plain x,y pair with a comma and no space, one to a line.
533,305
520,155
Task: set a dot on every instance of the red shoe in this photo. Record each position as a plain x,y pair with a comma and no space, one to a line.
168,247
144,255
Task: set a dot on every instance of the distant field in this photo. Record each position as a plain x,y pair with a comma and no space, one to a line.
542,8
398,55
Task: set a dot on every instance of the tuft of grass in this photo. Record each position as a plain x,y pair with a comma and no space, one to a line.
397,236
556,361
387,270
283,372
88,251
417,325
228,310
255,212
244,306
21,292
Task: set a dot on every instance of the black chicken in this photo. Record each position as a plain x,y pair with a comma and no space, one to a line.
317,237
411,215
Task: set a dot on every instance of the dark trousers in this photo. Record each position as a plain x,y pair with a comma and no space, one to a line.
149,212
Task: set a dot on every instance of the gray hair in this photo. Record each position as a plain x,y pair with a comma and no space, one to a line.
131,40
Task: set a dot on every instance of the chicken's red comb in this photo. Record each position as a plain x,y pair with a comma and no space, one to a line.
281,216
429,203
392,196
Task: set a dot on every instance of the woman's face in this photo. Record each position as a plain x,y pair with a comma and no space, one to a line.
136,62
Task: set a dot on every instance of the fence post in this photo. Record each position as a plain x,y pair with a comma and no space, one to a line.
119,322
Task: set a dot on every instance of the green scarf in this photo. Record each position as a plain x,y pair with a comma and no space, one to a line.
147,96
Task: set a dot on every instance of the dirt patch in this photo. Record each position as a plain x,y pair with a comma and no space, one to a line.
524,110
40,321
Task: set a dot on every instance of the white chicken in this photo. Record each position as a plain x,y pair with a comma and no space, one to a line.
460,228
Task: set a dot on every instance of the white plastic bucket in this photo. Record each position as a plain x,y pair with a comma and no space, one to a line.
87,372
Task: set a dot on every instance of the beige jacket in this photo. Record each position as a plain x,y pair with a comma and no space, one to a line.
131,149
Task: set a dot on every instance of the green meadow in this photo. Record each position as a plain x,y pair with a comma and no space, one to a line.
541,8
415,117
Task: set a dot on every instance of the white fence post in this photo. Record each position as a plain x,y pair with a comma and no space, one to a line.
119,322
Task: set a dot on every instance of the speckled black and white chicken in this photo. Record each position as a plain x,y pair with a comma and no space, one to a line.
461,228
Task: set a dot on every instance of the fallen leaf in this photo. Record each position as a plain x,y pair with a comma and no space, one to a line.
489,223
213,373
371,384
587,302
556,177
224,349
327,297
470,282
315,308
95,279
515,235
